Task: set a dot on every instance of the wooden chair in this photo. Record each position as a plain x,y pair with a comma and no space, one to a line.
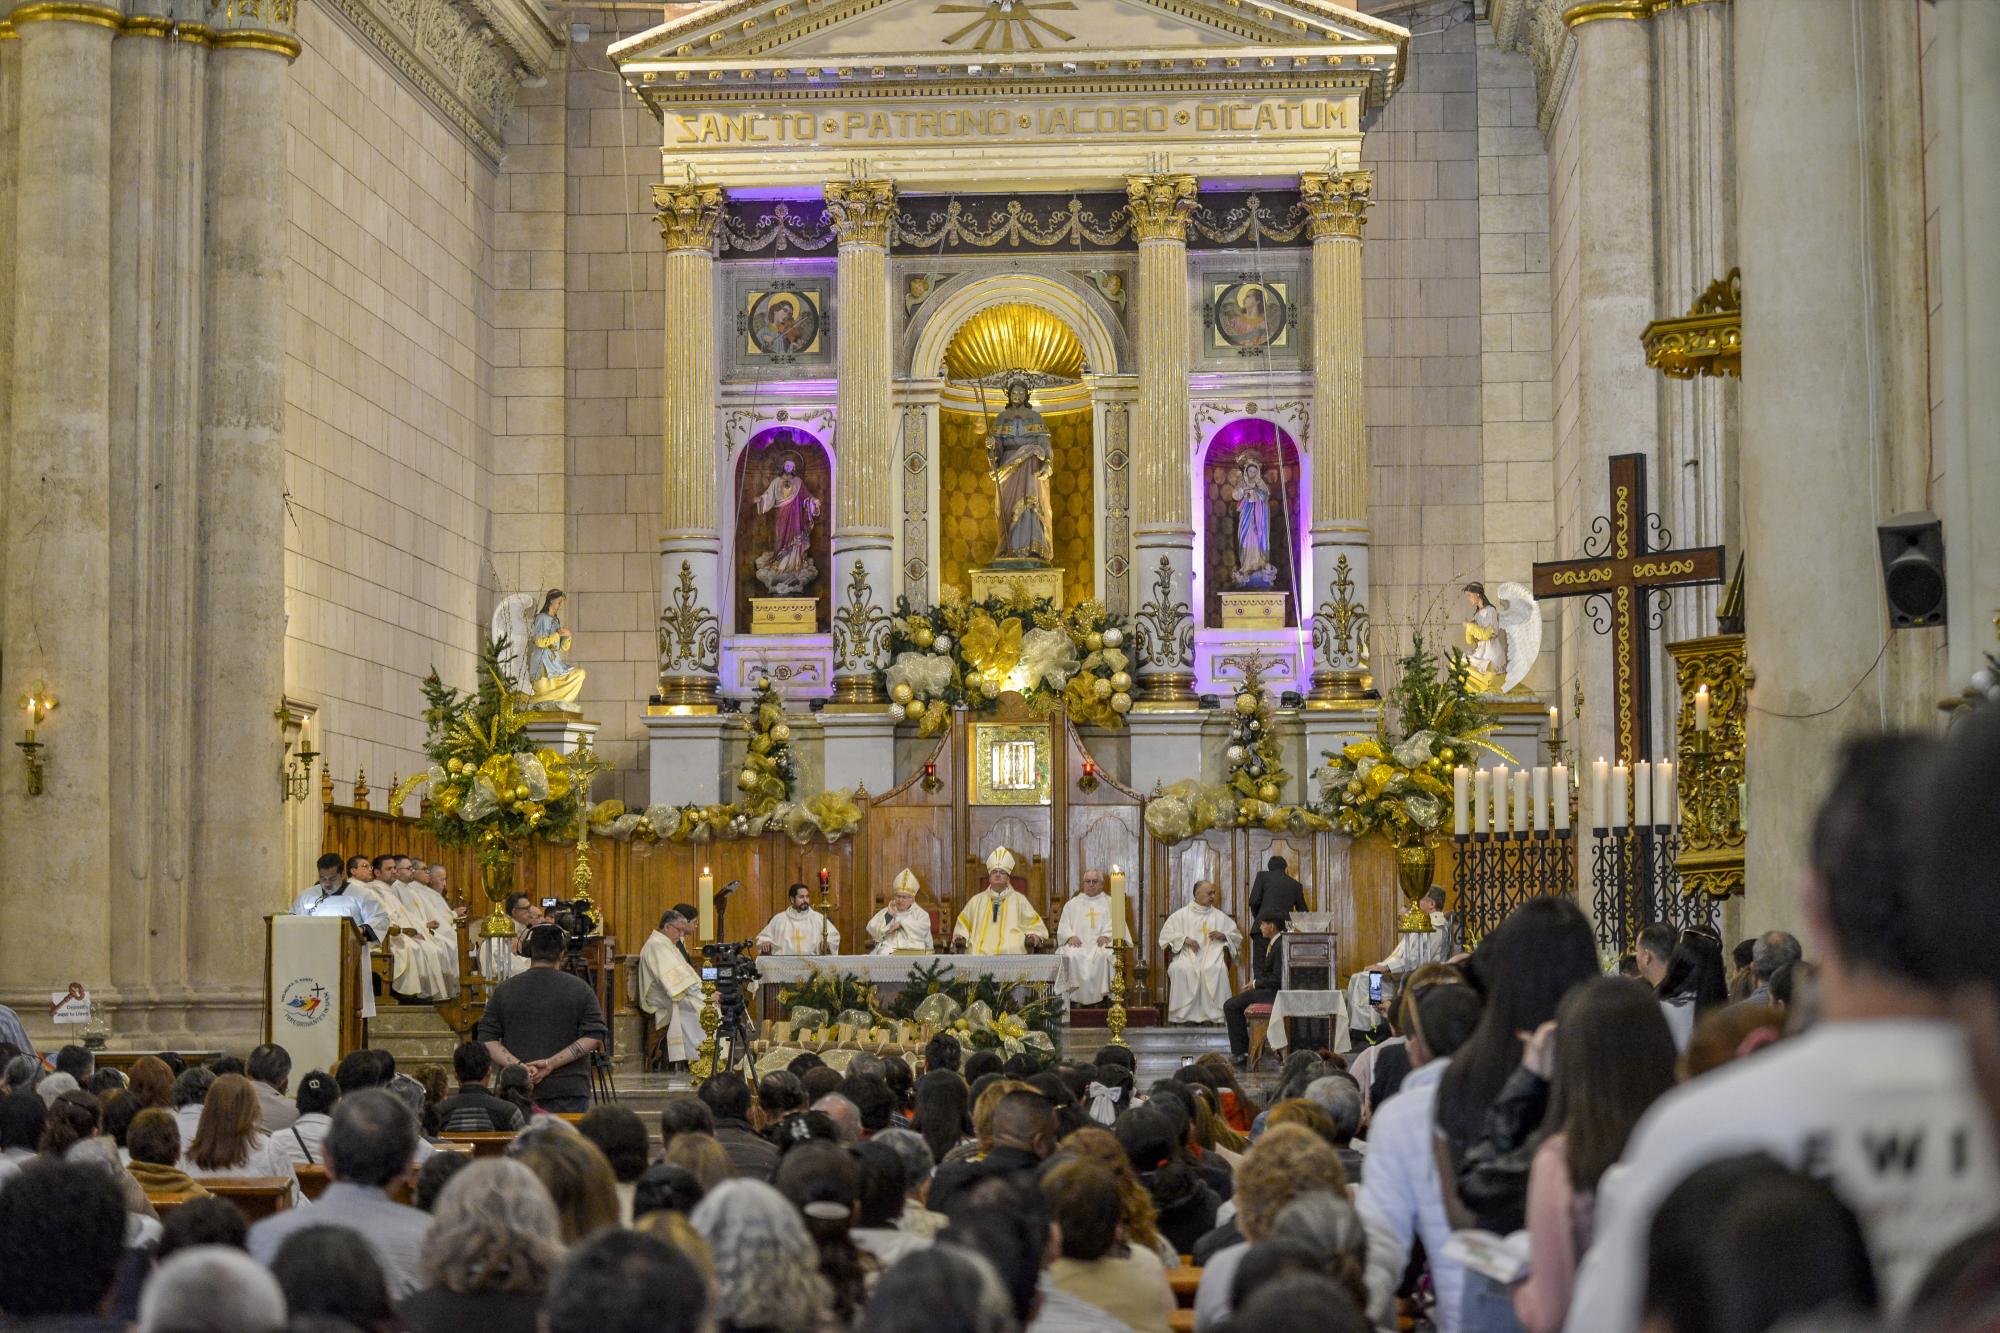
1259,1017
256,1197
313,1179
485,1144
1184,1281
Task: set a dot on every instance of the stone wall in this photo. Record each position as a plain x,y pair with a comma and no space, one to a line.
1573,491
388,415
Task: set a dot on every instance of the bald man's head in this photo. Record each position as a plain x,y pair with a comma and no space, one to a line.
1025,1120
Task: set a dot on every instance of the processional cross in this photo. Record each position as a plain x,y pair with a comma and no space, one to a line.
1619,572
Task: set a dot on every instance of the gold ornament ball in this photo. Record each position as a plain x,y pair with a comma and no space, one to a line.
1102,688
1246,704
914,709
924,636
520,793
902,694
990,688
1268,792
746,779
897,712
1113,637
1093,641
763,682
1121,681
781,732
1121,703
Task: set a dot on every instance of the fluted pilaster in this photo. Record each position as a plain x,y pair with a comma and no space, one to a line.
861,213
1338,206
690,540
1163,525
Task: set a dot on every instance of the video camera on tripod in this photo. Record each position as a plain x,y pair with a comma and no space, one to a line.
576,918
731,969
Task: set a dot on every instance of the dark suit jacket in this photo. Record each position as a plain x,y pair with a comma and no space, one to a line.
1274,896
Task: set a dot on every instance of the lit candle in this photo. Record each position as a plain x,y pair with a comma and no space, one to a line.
1501,783
1461,800
1666,806
1542,798
1555,721
1621,778
1600,795
1701,708
1642,793
1119,932
705,905
1482,789
1559,795
1524,817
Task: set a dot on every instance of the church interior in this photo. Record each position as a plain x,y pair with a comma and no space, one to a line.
627,451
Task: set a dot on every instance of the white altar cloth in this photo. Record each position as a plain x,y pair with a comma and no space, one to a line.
1308,1004
893,969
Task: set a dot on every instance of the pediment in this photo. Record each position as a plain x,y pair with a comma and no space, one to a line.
764,40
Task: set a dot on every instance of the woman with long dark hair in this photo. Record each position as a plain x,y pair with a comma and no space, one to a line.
1696,982
1613,1059
942,1114
1184,1206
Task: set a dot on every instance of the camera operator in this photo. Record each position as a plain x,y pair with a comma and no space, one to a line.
503,956
547,1021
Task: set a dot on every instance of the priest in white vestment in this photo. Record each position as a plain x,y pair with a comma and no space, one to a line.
1083,944
337,895
418,963
902,926
1199,939
670,988
500,953
998,919
1414,948
799,929
436,908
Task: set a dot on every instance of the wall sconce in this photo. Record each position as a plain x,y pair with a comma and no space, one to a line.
37,703
1088,782
295,777
931,780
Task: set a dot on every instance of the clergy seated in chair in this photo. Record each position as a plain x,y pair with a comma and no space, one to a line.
800,928
500,943
1083,944
998,919
670,988
902,926
423,947
1414,948
1200,941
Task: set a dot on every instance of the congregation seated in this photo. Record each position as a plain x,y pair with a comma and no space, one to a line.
474,1108
155,1144
227,1141
303,1141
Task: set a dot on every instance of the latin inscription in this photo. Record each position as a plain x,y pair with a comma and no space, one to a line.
985,125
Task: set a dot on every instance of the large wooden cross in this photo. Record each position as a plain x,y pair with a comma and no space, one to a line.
1624,571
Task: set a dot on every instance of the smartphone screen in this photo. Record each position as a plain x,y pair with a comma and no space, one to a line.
1374,987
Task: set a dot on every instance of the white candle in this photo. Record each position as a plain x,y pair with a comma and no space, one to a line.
1555,721
1501,783
1461,800
1482,785
1119,931
1559,795
1600,795
1621,778
1642,793
1666,805
1524,810
1541,799
704,906
1701,708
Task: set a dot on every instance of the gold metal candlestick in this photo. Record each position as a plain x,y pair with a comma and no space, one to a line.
702,1067
1114,1017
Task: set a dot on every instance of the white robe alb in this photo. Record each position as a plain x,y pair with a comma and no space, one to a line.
892,930
670,991
1084,974
806,932
996,923
1198,975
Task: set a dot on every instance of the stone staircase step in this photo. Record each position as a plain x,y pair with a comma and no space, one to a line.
416,1034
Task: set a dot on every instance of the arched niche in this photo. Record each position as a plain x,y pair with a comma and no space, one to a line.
1227,454
1086,313
760,466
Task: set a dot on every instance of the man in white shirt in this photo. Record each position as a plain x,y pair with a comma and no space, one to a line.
998,919
799,929
500,954
1083,943
1875,1098
902,926
1199,939
1414,948
670,989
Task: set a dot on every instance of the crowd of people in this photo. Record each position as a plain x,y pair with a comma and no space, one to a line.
1774,1137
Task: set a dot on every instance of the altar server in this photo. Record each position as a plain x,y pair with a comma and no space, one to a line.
799,928
1414,948
670,989
902,925
1083,943
997,919
1200,939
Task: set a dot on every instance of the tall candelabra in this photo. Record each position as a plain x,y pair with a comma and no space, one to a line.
1497,872
1635,881
1114,1017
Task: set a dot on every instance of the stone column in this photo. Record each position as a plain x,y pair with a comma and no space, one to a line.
861,212
10,125
917,402
690,541
1617,396
1163,528
1825,116
56,562
1338,205
238,864
1111,400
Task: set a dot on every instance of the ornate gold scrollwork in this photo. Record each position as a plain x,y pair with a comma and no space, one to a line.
859,212
1340,626
687,214
860,628
1712,763
1708,340
1163,630
690,635
1160,206
1337,202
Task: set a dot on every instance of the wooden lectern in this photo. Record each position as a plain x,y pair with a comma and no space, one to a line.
313,975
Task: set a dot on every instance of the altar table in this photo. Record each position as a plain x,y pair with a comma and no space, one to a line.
1309,1004
890,971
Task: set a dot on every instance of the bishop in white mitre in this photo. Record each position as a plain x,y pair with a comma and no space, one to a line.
670,988
799,929
902,926
1199,939
1083,944
998,919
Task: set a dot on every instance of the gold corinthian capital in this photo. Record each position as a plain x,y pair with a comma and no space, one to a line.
860,211
1336,202
1160,206
688,214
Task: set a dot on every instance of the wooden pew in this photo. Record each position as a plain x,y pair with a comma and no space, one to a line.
479,1144
1184,1281
313,1179
256,1197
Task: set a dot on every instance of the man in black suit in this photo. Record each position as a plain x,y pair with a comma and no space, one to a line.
1274,896
1264,986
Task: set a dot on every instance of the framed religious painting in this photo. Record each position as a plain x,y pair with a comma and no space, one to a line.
1249,315
784,321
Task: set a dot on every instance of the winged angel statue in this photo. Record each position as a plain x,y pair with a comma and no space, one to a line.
1504,636
535,658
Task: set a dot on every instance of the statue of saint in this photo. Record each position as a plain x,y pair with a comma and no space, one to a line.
1019,459
551,679
1253,527
788,567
